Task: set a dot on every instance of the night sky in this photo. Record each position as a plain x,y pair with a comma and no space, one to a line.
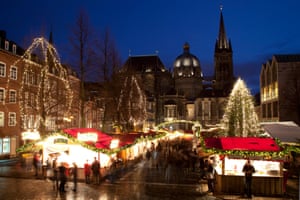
257,29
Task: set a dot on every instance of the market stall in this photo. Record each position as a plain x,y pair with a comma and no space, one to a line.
77,145
230,155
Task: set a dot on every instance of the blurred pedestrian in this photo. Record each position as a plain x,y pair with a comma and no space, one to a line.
55,174
87,172
96,171
36,163
286,168
62,177
211,178
74,173
248,169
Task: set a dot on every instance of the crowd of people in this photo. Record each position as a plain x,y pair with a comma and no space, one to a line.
61,172
174,159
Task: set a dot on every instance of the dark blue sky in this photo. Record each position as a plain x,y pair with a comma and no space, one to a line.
257,29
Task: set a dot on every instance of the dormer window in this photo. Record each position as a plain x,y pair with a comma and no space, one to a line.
6,45
14,49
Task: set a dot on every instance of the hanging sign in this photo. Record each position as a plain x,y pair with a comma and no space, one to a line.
89,136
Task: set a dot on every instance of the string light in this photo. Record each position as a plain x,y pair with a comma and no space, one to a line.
240,118
51,88
133,101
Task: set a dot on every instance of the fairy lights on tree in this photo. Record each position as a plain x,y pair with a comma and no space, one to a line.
132,103
45,94
240,118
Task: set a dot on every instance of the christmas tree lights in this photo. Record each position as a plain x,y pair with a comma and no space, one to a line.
132,102
240,118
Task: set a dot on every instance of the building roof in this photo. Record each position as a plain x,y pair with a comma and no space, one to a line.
242,143
144,63
286,132
102,138
287,58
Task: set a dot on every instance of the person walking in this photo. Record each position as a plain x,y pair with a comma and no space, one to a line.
286,168
55,177
62,177
74,172
36,163
96,171
248,170
87,172
211,175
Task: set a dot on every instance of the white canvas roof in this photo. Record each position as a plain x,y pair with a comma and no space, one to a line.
286,132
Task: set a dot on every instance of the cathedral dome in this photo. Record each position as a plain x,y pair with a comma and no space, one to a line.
186,64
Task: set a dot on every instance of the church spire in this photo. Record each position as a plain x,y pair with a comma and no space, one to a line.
222,42
51,37
223,76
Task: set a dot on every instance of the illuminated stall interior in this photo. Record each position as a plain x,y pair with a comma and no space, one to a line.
229,154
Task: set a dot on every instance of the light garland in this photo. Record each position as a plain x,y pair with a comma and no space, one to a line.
30,147
49,98
132,94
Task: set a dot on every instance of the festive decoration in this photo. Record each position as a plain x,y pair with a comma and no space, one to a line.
240,118
240,126
93,146
246,153
132,102
45,93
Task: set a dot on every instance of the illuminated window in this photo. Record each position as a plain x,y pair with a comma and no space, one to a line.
12,119
186,62
195,62
12,96
170,111
1,119
6,145
177,63
2,70
13,73
2,94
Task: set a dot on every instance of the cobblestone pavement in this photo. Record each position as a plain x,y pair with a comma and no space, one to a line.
140,182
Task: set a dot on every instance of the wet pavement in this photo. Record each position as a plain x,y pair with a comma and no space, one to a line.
139,181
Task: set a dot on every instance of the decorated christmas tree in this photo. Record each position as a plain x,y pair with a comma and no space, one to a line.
240,118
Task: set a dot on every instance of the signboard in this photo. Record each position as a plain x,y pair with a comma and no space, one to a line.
60,141
88,136
30,135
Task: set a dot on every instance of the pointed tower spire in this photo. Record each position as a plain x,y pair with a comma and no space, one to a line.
223,76
222,42
51,37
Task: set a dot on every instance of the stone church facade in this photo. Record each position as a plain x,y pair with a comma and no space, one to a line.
184,93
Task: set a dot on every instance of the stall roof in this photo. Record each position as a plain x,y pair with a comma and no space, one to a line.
242,143
286,132
102,137
131,138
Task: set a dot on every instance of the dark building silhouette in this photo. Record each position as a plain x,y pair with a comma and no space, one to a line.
280,89
184,92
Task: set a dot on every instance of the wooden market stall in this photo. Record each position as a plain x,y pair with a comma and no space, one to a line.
230,155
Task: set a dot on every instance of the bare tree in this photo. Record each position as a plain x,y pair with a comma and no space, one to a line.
108,59
83,54
108,64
